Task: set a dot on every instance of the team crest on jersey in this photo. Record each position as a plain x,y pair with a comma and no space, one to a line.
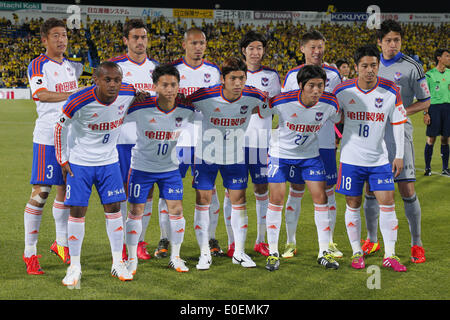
378,102
244,109
178,122
397,76
264,81
70,71
120,108
319,116
207,78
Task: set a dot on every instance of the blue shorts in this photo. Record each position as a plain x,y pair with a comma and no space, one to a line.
256,160
124,151
45,169
234,176
186,158
140,183
295,170
351,179
329,162
107,181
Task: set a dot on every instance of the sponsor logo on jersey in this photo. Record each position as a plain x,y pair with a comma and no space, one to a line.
162,135
66,86
227,122
188,90
303,127
366,116
105,126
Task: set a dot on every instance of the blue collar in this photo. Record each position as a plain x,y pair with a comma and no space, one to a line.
390,62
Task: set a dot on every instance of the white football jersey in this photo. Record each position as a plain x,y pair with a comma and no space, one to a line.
191,79
140,76
95,127
224,123
299,125
258,132
366,114
326,134
157,134
45,73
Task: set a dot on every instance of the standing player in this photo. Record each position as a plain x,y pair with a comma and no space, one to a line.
226,110
137,70
408,75
252,47
294,157
95,114
158,120
52,79
368,103
312,45
195,72
437,117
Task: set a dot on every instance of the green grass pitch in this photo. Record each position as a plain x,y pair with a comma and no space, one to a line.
298,278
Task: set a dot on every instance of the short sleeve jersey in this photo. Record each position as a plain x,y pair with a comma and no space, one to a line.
366,114
47,74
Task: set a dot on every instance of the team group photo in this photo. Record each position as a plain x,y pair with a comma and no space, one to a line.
199,158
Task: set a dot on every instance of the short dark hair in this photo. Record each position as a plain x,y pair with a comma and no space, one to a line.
49,24
250,37
370,50
438,53
106,65
133,24
165,69
311,35
233,64
340,62
388,26
309,72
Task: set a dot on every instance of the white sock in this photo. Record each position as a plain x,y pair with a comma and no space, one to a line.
322,221
353,225
32,222
201,225
146,218
114,229
163,214
273,222
124,211
61,217
75,232
177,229
239,223
227,217
292,212
388,228
214,209
331,210
262,202
133,228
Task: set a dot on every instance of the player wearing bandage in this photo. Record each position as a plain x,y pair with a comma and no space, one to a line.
368,103
52,80
294,157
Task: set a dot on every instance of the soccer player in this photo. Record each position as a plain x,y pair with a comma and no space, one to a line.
368,103
408,75
312,44
195,72
437,117
226,110
158,121
252,47
137,70
52,80
95,115
294,157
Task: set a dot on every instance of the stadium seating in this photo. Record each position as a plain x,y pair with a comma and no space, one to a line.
100,40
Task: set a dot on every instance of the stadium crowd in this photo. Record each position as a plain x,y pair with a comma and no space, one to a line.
99,40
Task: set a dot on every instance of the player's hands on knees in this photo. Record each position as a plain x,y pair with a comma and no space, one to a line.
66,170
427,119
397,167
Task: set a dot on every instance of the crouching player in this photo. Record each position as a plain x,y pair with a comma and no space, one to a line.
294,157
153,160
368,102
95,115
